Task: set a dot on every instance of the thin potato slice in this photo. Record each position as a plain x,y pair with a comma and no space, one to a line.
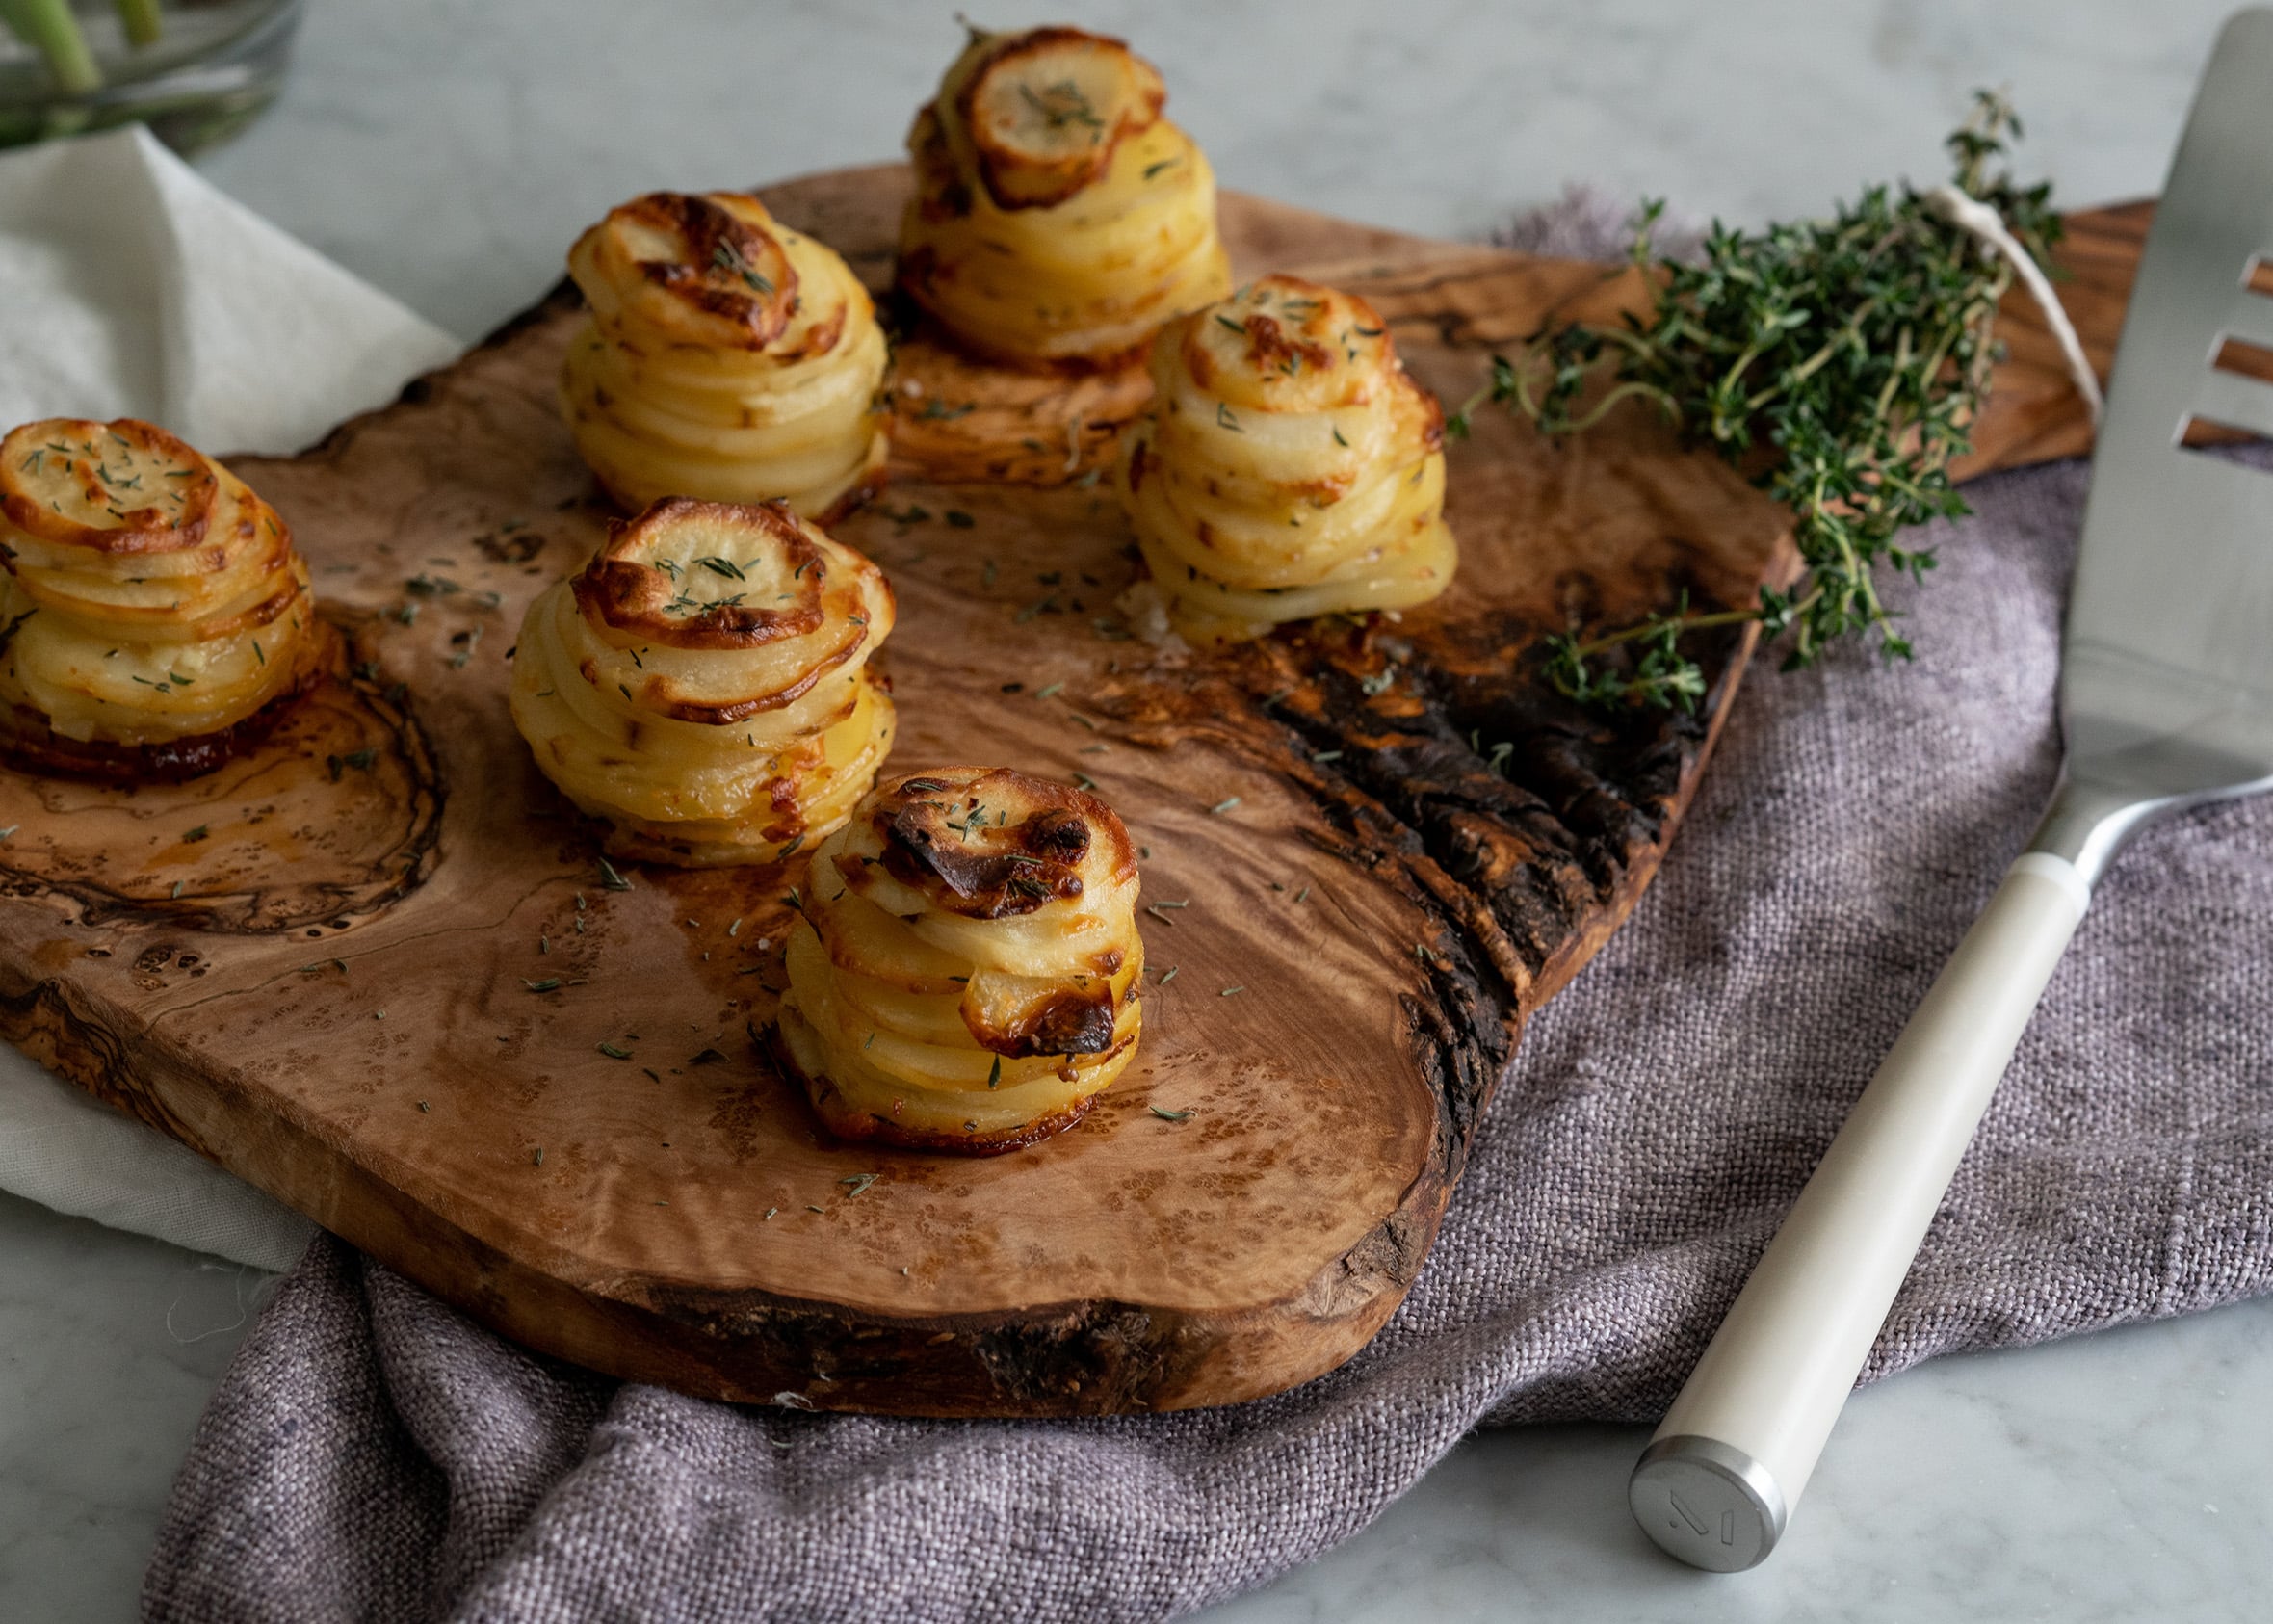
966,974
702,684
1288,468
1059,220
727,358
1043,111
152,599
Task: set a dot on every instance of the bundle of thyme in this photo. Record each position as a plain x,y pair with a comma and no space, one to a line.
1838,362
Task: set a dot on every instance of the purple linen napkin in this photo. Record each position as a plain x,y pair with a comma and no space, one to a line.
372,1454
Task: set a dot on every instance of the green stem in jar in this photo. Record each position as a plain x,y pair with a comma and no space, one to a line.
49,27
141,21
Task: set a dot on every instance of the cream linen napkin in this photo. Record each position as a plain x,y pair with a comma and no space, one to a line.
129,287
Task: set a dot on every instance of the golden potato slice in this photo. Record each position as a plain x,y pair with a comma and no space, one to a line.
154,601
127,486
967,973
859,1102
1022,1015
1288,468
702,684
728,358
1044,111
694,269
863,940
1059,220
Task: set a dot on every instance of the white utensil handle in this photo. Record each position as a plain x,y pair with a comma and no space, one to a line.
1735,1449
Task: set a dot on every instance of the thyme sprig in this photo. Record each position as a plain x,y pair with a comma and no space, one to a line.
1061,104
1840,363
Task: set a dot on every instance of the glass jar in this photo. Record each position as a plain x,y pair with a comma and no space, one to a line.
197,71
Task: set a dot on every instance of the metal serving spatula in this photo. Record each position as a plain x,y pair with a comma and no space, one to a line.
2166,698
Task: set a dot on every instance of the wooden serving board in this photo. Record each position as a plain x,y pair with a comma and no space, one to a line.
1374,851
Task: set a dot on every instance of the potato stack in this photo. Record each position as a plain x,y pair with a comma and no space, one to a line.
703,683
965,974
727,357
1288,468
154,616
1059,220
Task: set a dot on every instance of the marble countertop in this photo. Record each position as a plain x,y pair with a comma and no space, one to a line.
449,152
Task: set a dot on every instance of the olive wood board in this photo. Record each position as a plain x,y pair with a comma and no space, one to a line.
1375,848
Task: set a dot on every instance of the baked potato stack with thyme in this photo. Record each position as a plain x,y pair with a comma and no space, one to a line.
1058,219
703,683
727,357
155,616
964,975
1286,467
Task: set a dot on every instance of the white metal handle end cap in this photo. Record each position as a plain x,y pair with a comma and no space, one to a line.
1709,1504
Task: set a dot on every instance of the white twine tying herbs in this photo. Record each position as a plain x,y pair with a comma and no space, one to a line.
1839,364
1985,223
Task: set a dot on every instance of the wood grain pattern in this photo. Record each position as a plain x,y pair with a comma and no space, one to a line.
1391,841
